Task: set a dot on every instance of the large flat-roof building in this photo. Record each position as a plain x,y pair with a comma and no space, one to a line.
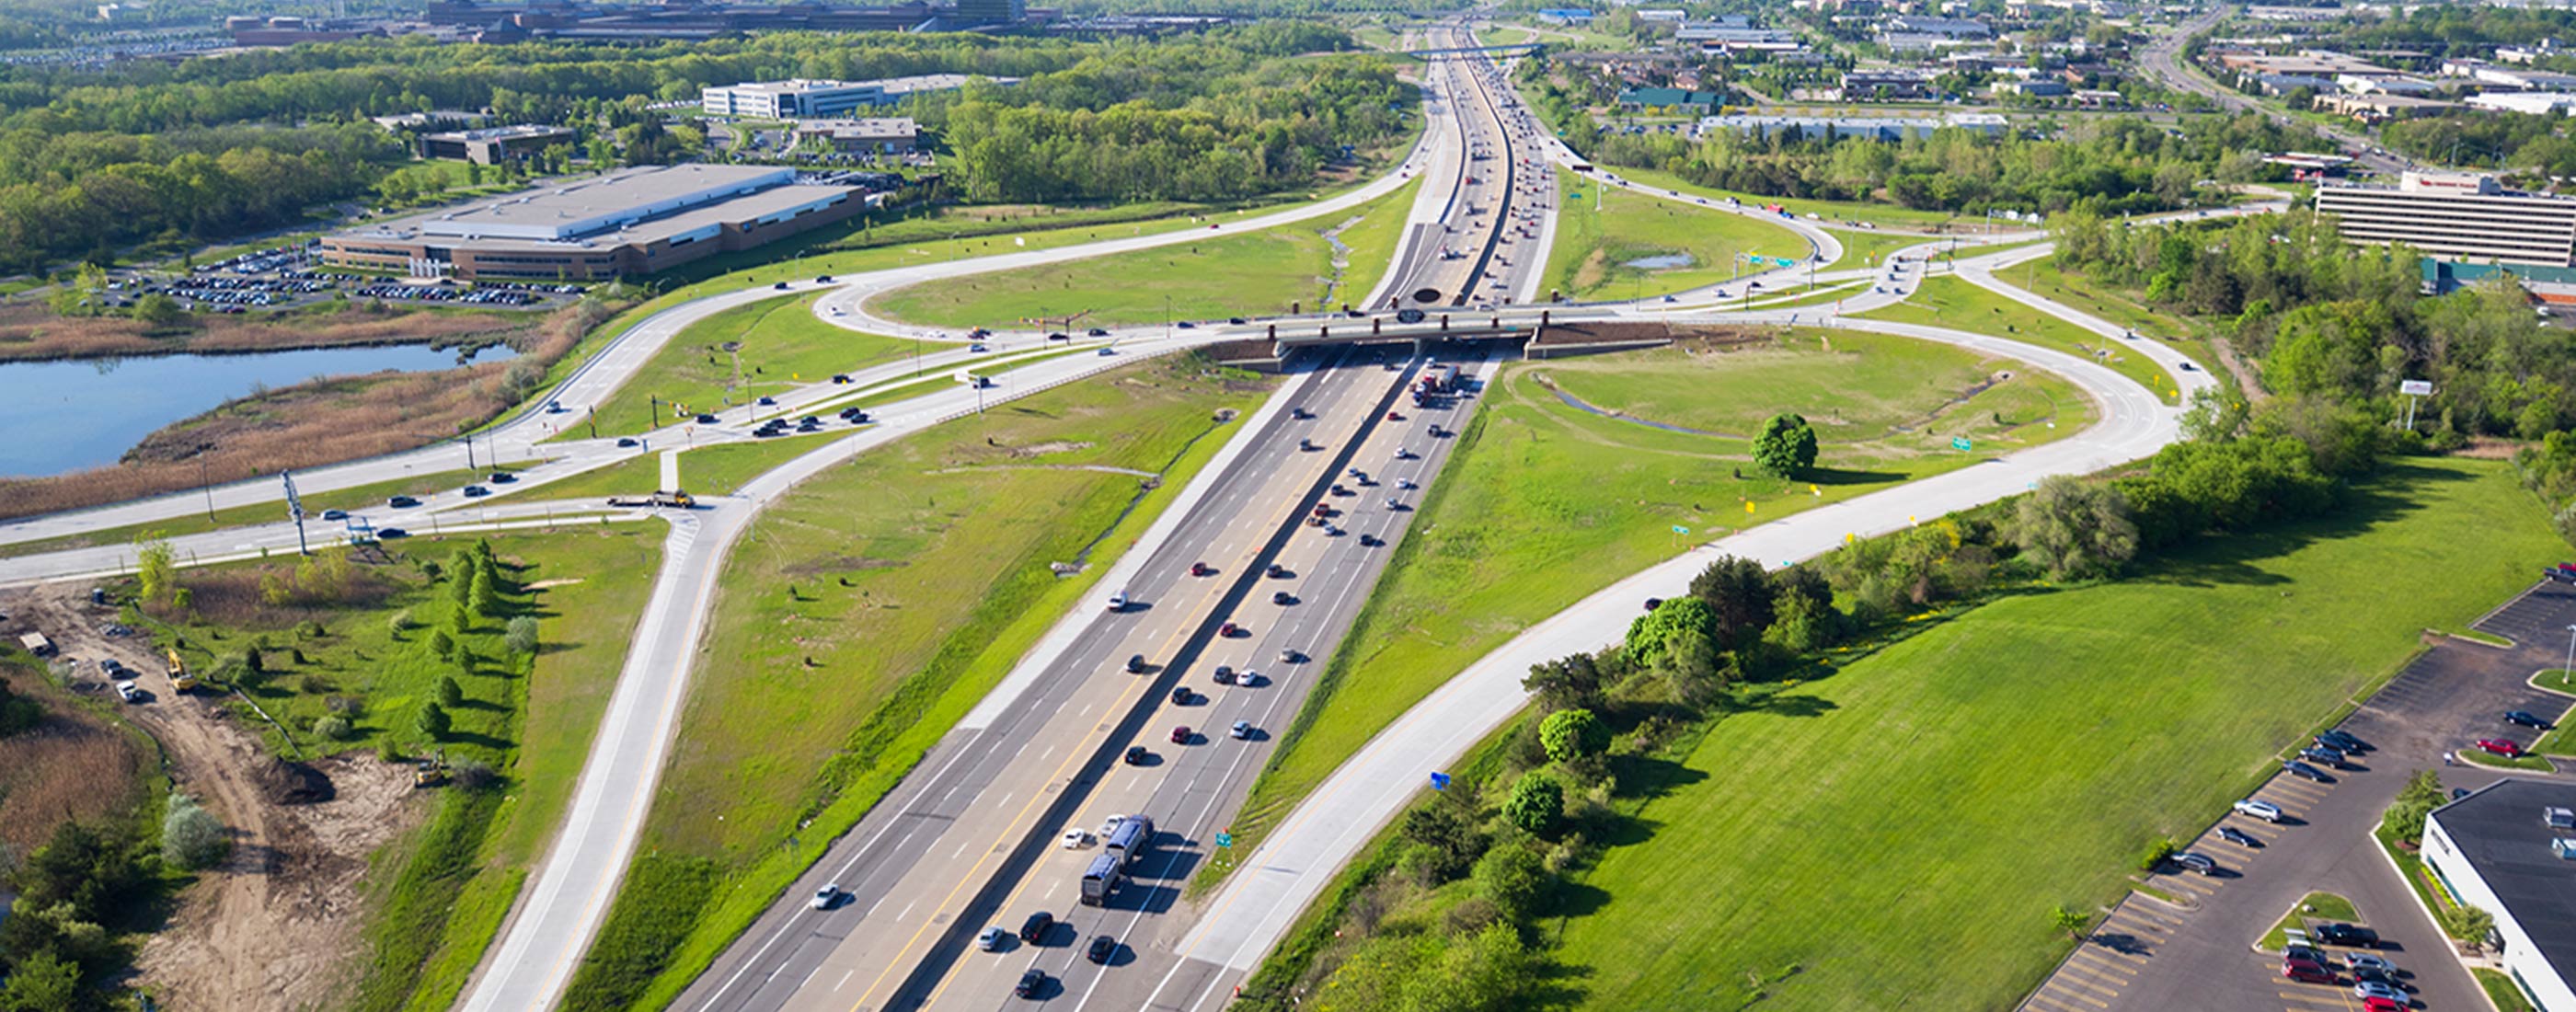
2464,217
888,136
800,98
631,222
493,145
1872,128
2509,849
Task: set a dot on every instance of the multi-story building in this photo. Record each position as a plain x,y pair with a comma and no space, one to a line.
809,99
887,136
2509,848
2457,216
990,13
631,222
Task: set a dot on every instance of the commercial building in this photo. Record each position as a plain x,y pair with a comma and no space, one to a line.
2509,849
1874,128
990,13
630,222
1901,82
2465,217
810,99
2524,101
888,136
493,145
1728,41
1670,98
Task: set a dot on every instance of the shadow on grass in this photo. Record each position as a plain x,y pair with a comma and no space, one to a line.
1839,476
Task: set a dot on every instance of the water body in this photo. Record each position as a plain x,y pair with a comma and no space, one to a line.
65,416
1660,262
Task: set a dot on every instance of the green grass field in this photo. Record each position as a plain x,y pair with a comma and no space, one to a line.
1544,504
1257,273
1874,830
439,894
781,345
869,609
2481,757
1594,247
2188,335
1949,301
1836,214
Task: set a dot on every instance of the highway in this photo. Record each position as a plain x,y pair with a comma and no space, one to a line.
973,839
2162,57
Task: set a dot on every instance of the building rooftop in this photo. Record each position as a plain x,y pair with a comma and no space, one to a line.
2499,831
500,133
638,205
893,126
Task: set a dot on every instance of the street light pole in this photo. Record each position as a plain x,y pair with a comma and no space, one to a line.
2571,652
203,478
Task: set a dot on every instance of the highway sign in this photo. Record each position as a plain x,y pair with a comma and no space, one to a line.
1960,443
2415,388
1440,781
1225,839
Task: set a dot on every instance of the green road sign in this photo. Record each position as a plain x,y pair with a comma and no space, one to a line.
1960,443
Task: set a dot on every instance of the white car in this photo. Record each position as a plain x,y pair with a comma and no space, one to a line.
1075,839
992,939
2263,810
823,897
1242,729
1110,826
2374,989
1118,601
127,692
1406,484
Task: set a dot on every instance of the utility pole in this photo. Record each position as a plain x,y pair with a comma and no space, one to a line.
205,479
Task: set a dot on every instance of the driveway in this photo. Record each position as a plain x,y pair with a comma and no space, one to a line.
2195,953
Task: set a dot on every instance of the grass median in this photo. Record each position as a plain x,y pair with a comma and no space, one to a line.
1255,273
765,347
1632,245
1544,503
2130,710
1950,301
861,616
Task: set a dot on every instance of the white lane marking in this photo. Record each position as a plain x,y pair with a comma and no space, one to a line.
844,981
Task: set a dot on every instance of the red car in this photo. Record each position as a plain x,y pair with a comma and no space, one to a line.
2301,970
1181,735
2505,747
1228,630
1395,416
1201,569
2376,1004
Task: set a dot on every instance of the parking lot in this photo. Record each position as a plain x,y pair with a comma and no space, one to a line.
285,277
2196,952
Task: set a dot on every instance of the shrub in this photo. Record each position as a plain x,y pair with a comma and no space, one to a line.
474,774
522,635
2157,851
1516,880
1536,803
433,722
450,694
190,837
1573,734
332,728
401,622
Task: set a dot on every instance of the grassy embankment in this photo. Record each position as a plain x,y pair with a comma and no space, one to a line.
1942,743
1252,274
863,614
1594,247
1949,301
776,344
2123,306
1544,504
438,895
361,497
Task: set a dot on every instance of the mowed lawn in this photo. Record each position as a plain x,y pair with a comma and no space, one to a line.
1594,247
1950,301
1543,504
1895,835
1245,274
780,343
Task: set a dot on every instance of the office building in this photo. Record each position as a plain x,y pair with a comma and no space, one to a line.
2465,217
807,99
889,136
631,222
2509,849
493,145
990,13
1839,128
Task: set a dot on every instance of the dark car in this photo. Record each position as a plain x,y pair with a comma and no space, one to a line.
2322,755
2305,771
390,533
2526,719
402,502
1235,320
780,287
1181,735
335,514
2301,970
1136,664
1136,755
2343,741
503,477
2238,837
822,279
1030,984
627,443
1096,332
1036,927
1180,695
1275,571
476,491
1224,674
706,419
1282,598
1059,337
1102,947
2345,934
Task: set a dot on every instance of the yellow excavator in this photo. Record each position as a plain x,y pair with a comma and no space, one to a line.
180,679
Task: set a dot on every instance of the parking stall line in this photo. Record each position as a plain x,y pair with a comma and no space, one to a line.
2069,995
2098,977
2143,927
2086,988
2190,885
2045,999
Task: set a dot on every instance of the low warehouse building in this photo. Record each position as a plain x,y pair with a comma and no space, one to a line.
2509,849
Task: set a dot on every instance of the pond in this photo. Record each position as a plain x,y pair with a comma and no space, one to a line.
65,416
1660,262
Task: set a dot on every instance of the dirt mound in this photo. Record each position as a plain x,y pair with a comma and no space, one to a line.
291,783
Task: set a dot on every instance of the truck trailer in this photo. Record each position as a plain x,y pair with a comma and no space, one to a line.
1102,879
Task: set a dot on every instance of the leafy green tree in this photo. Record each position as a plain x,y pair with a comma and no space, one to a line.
522,635
450,694
2075,923
1785,447
1573,734
191,838
460,586
1515,879
2075,528
486,599
1742,599
41,982
1536,803
156,566
1650,632
2422,794
1569,681
158,310
17,713
1446,832
2468,923
441,645
433,721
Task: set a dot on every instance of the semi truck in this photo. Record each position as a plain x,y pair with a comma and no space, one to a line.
1102,879
673,497
1130,840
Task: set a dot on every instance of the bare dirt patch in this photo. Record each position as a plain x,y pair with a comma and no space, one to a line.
277,925
543,584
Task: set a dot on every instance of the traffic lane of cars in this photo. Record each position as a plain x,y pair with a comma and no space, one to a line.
925,862
2452,694
1190,804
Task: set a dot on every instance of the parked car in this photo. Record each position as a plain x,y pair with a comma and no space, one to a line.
2325,756
2307,772
2307,972
2383,1005
2505,747
2238,837
2526,719
2369,989
2259,809
2196,862
2343,741
2345,935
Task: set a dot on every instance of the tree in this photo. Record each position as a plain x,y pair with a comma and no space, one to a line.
1515,879
2422,794
41,982
441,645
1786,446
1573,734
2075,528
191,838
1490,971
156,567
1536,803
486,599
2075,923
450,694
432,722
1445,832
1741,597
1648,635
158,310
460,584
2468,923
1568,681
522,635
